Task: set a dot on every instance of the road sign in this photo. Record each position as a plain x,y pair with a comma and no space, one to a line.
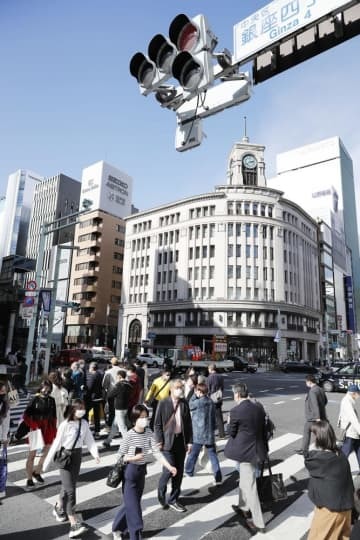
151,335
29,301
27,312
275,21
31,285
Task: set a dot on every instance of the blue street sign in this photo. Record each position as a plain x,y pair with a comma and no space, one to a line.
151,335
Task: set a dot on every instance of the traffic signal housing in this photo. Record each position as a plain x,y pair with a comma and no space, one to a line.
193,65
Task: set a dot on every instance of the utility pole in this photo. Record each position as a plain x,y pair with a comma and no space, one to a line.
45,229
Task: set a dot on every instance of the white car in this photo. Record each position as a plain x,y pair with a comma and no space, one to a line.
102,354
151,359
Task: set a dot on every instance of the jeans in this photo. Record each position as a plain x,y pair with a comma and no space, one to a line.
219,419
194,454
119,423
351,445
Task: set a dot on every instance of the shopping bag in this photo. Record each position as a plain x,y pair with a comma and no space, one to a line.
36,440
271,488
13,396
3,469
116,474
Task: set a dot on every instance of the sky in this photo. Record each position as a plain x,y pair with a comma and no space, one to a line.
67,98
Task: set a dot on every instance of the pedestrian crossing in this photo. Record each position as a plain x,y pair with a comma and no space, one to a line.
209,508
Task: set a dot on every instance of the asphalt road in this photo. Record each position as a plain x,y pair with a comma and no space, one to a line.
27,516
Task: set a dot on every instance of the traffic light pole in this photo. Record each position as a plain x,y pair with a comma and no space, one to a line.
53,304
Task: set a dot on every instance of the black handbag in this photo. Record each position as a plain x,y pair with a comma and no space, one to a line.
116,474
63,456
271,488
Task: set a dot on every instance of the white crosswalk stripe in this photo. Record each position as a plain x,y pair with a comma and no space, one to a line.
194,525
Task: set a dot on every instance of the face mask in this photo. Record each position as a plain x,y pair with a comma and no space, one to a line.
142,422
178,392
79,413
45,392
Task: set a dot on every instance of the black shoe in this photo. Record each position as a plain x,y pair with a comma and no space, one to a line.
106,445
178,507
241,513
162,501
30,484
38,478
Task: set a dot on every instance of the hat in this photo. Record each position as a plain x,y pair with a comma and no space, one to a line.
353,388
114,361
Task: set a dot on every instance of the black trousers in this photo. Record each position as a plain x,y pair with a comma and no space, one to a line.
176,458
69,478
129,515
219,419
96,406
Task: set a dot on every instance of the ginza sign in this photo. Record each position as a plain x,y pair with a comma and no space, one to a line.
276,21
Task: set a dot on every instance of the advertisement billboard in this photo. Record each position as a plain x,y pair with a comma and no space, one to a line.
349,304
108,188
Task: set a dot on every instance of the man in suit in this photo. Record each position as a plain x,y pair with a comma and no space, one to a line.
173,433
315,403
247,446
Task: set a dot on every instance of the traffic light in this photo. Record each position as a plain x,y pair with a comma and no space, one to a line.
186,56
74,306
193,66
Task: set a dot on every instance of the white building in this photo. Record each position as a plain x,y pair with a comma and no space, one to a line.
16,212
240,262
320,178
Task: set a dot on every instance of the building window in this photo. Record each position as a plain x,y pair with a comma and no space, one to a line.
230,271
230,250
248,250
238,272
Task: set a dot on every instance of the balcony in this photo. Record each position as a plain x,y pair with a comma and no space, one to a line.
235,324
270,325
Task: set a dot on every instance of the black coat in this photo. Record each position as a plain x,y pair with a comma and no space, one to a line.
164,411
121,393
247,442
315,403
94,386
330,483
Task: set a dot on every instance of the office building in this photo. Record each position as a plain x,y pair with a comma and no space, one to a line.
96,273
15,212
320,178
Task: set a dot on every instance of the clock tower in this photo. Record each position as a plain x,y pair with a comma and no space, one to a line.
246,164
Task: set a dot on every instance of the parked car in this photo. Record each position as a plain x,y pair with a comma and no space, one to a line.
151,359
241,364
297,367
340,379
102,354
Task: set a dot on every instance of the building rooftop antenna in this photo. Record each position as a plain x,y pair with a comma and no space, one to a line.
245,137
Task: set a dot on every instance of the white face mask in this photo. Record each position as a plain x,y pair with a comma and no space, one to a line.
178,392
142,423
79,413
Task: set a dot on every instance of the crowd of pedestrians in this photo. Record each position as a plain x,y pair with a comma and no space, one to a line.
186,420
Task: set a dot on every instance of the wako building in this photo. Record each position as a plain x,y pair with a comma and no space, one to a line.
240,262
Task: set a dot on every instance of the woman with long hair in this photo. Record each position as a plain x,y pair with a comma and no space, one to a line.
72,434
137,448
60,394
331,488
40,414
4,430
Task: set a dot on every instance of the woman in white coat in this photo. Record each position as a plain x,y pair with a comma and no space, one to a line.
4,430
71,435
348,419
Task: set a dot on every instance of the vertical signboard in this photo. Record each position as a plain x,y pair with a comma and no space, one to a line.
349,303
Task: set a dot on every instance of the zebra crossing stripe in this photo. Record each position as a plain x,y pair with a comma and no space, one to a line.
103,522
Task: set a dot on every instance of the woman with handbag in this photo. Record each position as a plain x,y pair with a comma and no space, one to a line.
349,423
330,487
137,448
40,418
72,434
60,394
4,430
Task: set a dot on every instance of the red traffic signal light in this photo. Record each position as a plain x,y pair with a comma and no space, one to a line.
184,33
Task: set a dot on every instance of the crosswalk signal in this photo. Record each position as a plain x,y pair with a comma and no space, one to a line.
193,65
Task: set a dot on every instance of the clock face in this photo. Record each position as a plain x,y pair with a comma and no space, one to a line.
250,161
